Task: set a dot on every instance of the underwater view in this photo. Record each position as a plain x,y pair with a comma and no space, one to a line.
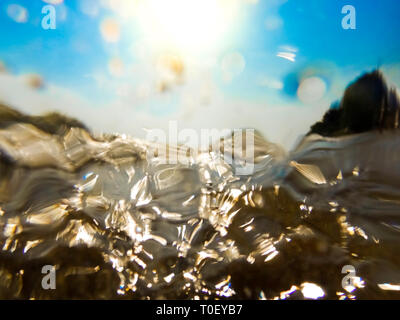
199,149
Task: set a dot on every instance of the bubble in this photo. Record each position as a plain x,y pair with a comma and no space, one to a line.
116,67
143,90
34,81
89,7
18,13
232,65
110,30
271,83
171,63
273,23
124,8
311,90
62,13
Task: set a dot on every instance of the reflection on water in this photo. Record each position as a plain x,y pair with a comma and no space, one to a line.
118,225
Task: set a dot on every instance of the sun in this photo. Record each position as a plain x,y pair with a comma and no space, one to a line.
187,25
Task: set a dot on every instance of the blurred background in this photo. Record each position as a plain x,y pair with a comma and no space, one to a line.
129,65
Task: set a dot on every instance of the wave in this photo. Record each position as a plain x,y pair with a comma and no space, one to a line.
117,224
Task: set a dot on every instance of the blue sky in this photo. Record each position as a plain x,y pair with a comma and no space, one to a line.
77,57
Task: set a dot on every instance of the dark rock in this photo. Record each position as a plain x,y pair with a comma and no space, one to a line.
53,122
367,104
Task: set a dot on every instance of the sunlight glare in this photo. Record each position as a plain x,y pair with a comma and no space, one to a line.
187,25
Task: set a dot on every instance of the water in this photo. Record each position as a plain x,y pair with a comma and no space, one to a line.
118,225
